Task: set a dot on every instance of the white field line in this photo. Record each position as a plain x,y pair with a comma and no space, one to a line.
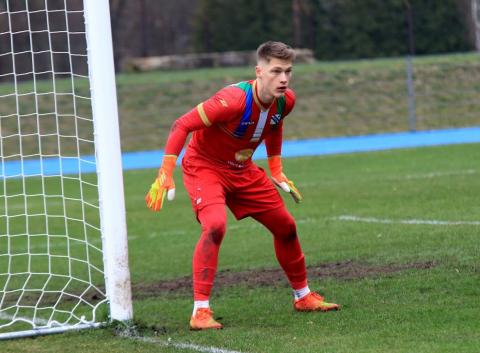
431,175
244,226
180,232
180,345
37,204
350,218
440,174
98,242
52,245
229,228
156,234
345,218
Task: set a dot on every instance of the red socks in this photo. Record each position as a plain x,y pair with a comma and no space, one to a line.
213,219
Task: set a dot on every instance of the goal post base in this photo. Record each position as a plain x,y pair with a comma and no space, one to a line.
48,331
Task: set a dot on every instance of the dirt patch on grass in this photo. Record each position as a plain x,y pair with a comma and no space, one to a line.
347,270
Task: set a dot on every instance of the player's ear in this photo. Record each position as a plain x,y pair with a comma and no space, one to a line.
258,71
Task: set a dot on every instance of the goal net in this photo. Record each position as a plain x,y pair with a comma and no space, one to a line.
63,254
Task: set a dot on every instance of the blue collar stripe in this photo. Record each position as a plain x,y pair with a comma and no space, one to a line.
242,127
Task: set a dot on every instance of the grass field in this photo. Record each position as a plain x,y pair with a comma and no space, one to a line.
392,236
404,287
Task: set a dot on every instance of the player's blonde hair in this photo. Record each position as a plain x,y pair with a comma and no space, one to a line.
268,50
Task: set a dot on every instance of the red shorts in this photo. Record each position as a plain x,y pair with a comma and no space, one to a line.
246,191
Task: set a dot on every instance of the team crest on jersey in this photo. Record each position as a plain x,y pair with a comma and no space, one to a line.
275,119
243,155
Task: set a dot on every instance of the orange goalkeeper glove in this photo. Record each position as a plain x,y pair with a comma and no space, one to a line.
275,165
163,185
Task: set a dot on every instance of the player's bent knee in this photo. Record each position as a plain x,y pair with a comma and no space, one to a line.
216,231
288,229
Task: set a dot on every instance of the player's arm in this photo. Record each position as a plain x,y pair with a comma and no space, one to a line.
215,109
164,184
273,143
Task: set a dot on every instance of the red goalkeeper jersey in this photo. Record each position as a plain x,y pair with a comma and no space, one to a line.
229,126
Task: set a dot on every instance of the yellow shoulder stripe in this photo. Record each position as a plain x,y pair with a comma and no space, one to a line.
202,114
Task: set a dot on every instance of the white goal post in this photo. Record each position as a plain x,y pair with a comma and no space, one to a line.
63,238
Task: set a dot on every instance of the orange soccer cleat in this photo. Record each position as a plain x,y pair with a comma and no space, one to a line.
203,320
314,302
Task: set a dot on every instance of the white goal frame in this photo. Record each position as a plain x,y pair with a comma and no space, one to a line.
109,171
109,160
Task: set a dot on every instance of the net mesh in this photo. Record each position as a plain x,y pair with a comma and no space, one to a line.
51,261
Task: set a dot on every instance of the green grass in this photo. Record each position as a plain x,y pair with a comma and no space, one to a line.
420,310
429,310
333,98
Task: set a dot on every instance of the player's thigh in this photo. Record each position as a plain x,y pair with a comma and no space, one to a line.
204,187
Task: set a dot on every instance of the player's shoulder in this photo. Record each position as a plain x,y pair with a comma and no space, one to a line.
234,94
240,90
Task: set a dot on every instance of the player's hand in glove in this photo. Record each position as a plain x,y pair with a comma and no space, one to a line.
163,185
275,165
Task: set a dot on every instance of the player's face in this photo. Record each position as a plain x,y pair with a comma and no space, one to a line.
273,78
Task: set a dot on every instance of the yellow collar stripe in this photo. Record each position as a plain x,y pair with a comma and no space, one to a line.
255,96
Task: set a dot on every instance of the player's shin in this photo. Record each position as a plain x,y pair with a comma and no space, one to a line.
292,261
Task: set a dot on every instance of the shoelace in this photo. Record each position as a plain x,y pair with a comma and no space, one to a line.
203,313
316,296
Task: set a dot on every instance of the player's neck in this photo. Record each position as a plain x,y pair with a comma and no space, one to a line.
264,99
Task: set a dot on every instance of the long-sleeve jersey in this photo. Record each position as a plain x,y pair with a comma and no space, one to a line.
229,126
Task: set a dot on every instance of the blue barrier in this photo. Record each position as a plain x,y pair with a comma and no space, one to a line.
312,147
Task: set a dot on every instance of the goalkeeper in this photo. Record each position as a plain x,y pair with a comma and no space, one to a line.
218,172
